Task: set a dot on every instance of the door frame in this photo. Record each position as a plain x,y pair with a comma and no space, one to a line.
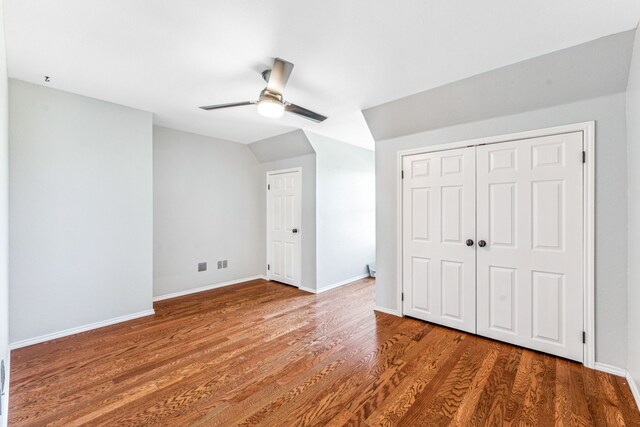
267,214
588,212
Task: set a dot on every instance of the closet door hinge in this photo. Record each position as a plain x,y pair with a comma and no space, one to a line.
401,174
402,296
584,157
584,337
268,266
268,186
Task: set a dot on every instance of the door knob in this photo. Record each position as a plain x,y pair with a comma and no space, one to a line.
469,242
482,243
294,231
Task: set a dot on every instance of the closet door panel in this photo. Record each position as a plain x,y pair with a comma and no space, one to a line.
529,273
438,218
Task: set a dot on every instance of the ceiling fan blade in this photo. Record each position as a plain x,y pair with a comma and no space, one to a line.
303,112
280,73
232,104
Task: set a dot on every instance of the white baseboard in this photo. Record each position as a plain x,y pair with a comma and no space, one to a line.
206,288
387,310
634,389
614,370
342,283
333,286
77,330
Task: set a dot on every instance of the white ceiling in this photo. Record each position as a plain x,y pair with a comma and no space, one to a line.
170,56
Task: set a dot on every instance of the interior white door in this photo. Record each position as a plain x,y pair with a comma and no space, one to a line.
529,273
283,227
438,218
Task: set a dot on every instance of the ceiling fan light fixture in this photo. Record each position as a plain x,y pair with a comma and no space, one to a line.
271,104
270,108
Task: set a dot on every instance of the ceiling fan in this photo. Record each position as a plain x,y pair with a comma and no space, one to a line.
270,102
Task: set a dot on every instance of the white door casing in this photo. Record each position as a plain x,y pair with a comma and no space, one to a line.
586,215
530,273
438,218
284,226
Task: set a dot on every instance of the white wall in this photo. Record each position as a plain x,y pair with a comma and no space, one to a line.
4,188
207,207
633,159
338,203
308,225
80,211
345,210
611,205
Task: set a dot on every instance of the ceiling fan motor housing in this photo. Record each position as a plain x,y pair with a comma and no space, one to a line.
265,95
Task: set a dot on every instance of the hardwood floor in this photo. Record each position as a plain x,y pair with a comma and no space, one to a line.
262,353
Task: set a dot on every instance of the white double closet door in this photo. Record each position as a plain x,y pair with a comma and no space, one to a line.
493,243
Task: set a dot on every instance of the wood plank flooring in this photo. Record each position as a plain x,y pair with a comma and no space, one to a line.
262,353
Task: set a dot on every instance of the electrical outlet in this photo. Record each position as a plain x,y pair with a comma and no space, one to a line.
202,266
219,265
224,264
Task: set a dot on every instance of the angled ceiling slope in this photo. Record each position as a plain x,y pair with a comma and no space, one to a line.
589,70
286,146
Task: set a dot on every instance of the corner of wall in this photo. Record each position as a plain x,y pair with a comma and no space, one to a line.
4,214
633,223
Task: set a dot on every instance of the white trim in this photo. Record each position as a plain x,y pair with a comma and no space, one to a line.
588,131
588,200
614,370
536,133
281,171
77,330
301,227
634,388
333,286
342,283
206,288
399,244
387,310
610,369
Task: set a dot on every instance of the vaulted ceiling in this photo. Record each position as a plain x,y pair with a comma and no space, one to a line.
170,56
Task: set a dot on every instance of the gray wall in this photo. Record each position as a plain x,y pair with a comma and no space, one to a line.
611,204
80,210
345,210
4,189
308,226
207,207
633,161
590,70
